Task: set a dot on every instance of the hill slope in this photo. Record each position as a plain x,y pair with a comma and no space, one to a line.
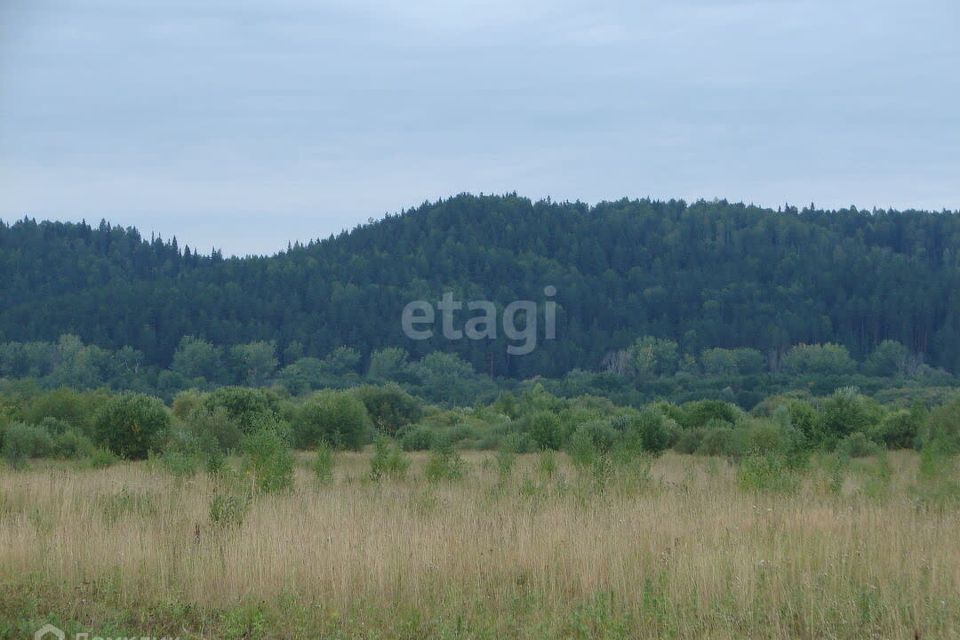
706,274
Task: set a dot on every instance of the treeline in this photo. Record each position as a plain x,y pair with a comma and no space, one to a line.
703,275
203,429
650,368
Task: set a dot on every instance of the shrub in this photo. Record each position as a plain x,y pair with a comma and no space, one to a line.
899,430
229,511
819,359
246,407
76,408
101,459
701,413
444,463
387,460
180,464
767,473
581,449
601,434
545,429
649,431
416,438
689,441
942,428
856,445
132,424
335,417
215,430
389,407
21,442
323,463
718,441
71,444
268,461
843,413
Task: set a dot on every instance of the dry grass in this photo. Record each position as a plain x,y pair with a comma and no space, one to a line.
682,552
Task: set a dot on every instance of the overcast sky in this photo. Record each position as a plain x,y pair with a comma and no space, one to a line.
245,124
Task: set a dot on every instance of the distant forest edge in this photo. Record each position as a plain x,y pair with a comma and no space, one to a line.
695,277
650,369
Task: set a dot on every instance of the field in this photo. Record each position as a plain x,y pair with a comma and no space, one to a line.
521,546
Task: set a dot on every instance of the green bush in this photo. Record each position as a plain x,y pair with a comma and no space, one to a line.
701,413
649,431
335,417
132,424
546,430
689,441
843,413
857,445
389,407
246,407
899,430
416,438
387,460
101,459
719,441
215,429
767,473
22,441
942,428
323,463
71,444
268,461
444,463
603,436
229,510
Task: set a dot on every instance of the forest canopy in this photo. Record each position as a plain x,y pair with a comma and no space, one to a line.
704,276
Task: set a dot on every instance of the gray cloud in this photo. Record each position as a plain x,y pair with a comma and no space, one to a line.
247,124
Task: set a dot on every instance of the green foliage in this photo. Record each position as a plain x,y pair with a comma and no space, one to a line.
323,463
942,428
255,361
197,359
387,461
843,413
215,430
899,429
702,413
101,459
890,358
819,359
335,417
444,463
768,472
649,431
71,444
389,407
416,438
22,442
132,424
546,430
650,357
735,258
246,407
268,461
229,510
857,445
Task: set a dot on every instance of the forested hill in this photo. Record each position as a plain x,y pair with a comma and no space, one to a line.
709,274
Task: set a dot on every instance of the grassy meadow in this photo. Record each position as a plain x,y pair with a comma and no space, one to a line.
494,545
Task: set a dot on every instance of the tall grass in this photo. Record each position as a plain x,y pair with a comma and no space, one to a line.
688,552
